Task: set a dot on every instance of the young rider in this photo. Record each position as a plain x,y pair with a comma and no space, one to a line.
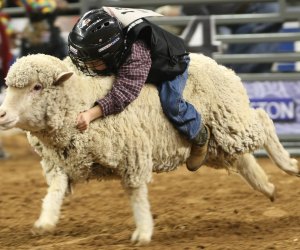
121,42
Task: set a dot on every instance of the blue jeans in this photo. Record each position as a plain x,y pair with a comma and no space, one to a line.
182,114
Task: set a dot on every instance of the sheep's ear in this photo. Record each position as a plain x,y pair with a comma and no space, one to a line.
62,77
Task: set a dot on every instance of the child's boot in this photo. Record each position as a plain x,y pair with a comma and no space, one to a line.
199,149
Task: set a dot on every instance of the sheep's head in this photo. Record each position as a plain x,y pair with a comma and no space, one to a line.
43,69
29,81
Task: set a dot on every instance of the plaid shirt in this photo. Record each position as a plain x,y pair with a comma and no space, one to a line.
131,77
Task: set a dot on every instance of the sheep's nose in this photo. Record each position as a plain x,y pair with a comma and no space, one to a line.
2,113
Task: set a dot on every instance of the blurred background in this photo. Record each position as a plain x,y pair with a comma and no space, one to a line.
259,40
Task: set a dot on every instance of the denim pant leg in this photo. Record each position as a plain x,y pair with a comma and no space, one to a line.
182,114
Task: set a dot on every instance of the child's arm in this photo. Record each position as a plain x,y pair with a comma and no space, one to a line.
129,82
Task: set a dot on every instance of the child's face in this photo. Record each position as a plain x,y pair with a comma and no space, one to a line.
96,65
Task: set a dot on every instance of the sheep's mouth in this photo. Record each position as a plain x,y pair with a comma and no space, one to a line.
8,124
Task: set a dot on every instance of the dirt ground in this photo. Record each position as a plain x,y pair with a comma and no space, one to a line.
208,209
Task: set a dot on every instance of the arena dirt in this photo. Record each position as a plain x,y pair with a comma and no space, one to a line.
208,209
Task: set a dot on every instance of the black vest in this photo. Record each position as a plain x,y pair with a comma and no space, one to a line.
167,50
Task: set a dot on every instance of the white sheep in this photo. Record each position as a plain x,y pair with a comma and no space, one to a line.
45,95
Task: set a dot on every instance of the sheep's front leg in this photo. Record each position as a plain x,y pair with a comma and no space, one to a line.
142,215
58,186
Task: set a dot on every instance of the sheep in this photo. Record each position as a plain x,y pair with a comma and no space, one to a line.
45,95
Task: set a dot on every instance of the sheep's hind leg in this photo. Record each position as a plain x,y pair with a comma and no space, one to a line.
52,202
275,149
142,215
255,176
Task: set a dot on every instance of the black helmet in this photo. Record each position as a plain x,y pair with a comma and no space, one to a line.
96,36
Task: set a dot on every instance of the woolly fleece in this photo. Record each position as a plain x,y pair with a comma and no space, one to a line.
140,139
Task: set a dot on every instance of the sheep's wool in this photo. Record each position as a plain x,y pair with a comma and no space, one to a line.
140,139
44,69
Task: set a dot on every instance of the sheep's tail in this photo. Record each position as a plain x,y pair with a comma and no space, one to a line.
274,148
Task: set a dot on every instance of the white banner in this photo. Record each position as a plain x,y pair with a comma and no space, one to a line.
281,100
127,15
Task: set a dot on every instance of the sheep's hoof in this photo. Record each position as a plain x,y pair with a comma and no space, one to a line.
293,169
40,229
295,163
140,238
273,195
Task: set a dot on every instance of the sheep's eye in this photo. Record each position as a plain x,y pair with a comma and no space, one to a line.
37,87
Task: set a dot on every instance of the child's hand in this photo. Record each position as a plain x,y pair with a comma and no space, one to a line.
86,117
83,121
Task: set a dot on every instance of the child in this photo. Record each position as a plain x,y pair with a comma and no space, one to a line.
140,52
